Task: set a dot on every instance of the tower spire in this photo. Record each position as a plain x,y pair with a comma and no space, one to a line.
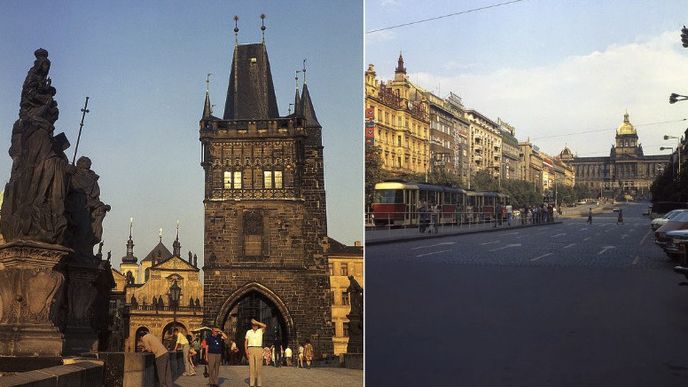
262,27
304,71
130,258
160,234
176,246
236,30
400,65
207,107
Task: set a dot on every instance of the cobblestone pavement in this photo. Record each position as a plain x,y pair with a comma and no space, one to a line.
237,376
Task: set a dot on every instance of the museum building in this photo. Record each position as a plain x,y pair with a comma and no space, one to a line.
626,172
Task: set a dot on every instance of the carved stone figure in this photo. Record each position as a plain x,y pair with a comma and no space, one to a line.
34,202
84,208
355,317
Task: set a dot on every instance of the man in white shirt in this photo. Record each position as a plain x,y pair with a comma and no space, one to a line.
253,345
183,344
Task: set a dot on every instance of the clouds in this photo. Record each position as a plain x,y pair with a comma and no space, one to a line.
581,93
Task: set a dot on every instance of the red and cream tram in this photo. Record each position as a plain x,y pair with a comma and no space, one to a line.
399,203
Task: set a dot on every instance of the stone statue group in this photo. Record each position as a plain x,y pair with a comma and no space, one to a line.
47,199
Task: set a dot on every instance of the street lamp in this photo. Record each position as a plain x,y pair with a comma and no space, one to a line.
673,98
175,292
678,150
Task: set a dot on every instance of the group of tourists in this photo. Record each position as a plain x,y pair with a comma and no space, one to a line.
217,349
280,356
429,217
543,213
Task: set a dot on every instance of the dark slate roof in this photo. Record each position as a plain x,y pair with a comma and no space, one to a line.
158,251
337,247
251,94
307,109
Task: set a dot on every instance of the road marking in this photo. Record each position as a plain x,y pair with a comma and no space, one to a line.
583,229
558,235
542,256
635,261
437,244
624,236
512,233
585,239
571,245
605,248
434,252
643,240
507,247
489,243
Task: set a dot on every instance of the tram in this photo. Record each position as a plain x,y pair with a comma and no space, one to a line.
399,203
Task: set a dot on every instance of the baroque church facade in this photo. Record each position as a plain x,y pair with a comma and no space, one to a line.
265,239
627,170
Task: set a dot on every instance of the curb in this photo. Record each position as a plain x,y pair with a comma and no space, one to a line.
432,236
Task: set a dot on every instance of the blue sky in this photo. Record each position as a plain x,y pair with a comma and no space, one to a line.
550,68
144,64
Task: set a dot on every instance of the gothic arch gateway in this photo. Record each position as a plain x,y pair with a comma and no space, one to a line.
254,300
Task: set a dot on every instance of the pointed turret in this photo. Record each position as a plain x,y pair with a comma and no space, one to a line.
207,108
307,110
400,65
297,102
251,94
130,258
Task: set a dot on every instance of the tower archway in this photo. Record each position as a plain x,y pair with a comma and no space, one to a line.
255,301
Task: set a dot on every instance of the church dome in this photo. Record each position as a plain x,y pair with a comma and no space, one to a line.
626,127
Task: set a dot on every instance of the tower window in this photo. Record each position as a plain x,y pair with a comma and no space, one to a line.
232,180
272,179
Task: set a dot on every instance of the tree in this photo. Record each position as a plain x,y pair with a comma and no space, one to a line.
373,173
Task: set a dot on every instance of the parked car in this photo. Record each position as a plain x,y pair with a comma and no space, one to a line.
678,222
676,245
661,221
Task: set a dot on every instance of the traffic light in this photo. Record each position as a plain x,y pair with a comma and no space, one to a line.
684,36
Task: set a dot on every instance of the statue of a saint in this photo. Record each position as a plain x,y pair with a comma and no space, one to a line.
34,203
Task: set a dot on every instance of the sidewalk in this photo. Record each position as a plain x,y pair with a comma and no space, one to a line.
387,235
237,376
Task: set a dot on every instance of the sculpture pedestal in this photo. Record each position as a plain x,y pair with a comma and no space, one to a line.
31,299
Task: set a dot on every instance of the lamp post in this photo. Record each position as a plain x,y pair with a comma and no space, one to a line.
175,292
668,148
678,150
673,98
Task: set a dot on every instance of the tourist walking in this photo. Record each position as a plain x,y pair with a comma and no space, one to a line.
287,355
216,344
183,344
300,356
253,345
267,355
308,353
509,214
153,344
277,347
590,215
619,220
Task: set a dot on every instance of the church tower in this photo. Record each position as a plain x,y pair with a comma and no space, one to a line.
265,233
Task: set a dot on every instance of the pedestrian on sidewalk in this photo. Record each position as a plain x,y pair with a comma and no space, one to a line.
153,344
423,218
216,345
277,348
435,217
308,353
590,215
253,345
183,344
509,213
300,356
619,220
287,355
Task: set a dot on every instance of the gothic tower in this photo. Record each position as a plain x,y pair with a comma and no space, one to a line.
265,220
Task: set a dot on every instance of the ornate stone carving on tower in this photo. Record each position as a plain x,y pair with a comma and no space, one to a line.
52,287
265,219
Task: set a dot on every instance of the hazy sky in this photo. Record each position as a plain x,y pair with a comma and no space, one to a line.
144,64
550,68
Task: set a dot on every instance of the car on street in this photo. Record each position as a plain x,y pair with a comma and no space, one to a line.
679,222
662,220
676,245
